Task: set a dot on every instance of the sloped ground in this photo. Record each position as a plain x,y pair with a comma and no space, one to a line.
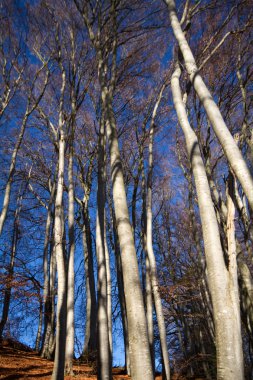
18,362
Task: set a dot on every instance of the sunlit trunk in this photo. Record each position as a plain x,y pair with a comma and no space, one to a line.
60,344
227,331
140,358
104,352
224,136
70,332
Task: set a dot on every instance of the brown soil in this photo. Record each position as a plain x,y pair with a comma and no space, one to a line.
18,362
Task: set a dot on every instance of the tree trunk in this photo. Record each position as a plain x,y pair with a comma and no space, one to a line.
141,365
7,192
70,333
7,292
150,252
38,337
149,310
104,354
120,290
232,273
228,335
60,344
246,290
225,138
90,345
46,270
146,271
49,325
109,295
140,359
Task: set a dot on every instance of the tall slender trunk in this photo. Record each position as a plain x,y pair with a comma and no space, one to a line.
29,109
90,346
120,289
140,359
52,325
141,365
227,332
70,333
104,355
146,275
149,309
46,269
60,344
59,360
109,294
150,252
232,272
7,193
7,292
39,331
48,338
91,302
224,136
246,290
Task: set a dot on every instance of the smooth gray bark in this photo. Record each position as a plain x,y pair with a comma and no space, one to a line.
104,352
140,359
7,192
90,346
222,288
150,252
70,327
120,289
224,136
109,295
60,345
29,109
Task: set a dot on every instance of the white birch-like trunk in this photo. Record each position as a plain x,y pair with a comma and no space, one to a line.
70,327
140,358
52,278
60,344
104,355
146,272
59,360
232,273
109,294
29,110
7,193
150,252
121,293
224,136
149,311
227,333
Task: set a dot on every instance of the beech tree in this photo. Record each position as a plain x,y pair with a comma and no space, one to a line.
127,184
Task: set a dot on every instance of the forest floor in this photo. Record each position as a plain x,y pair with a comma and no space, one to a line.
18,362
